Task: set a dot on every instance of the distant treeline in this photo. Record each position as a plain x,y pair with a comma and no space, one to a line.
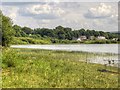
60,32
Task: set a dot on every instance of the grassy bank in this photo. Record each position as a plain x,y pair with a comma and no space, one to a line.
47,40
30,68
29,40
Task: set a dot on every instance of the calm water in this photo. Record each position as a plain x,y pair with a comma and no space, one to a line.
99,48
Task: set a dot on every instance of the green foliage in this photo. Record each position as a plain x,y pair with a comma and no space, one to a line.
9,57
27,30
68,34
55,40
7,31
18,31
28,40
100,42
54,69
1,27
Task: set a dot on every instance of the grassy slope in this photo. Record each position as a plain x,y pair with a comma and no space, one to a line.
45,69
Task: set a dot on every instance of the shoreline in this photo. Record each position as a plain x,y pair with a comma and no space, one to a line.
88,55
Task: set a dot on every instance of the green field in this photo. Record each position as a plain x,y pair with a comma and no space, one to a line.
31,68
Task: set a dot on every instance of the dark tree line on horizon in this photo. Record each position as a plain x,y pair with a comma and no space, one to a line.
63,33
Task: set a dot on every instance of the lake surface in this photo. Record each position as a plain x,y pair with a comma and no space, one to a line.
95,48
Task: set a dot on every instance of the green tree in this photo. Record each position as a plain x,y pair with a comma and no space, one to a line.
0,28
60,32
45,32
87,34
18,31
76,33
27,30
68,33
7,31
81,32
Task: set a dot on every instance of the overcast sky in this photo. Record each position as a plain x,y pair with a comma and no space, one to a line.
88,15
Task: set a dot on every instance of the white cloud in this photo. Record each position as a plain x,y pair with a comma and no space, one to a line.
101,11
10,12
12,15
42,11
39,9
45,21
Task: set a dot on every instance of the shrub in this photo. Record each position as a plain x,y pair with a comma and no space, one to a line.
28,40
113,41
108,41
100,42
9,57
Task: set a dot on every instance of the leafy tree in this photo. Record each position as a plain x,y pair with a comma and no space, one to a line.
81,32
18,31
96,33
87,33
68,33
59,28
44,32
7,31
76,34
27,30
61,34
0,28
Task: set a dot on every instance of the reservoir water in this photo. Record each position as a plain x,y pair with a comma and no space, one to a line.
97,48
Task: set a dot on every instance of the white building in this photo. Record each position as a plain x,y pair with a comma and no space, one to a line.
78,39
115,39
101,38
81,38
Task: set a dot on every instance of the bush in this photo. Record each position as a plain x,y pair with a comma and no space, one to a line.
113,41
9,57
100,42
108,41
28,40
54,40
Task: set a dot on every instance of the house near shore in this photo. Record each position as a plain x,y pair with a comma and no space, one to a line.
79,39
115,39
101,38
82,38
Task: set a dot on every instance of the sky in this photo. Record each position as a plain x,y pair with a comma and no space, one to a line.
95,15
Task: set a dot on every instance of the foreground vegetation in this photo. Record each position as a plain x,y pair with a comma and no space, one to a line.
31,68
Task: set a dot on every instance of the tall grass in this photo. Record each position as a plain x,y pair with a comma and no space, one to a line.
33,68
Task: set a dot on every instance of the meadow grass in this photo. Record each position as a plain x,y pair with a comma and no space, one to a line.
32,68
